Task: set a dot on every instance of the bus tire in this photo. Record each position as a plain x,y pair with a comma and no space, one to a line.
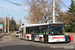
21,38
28,38
41,39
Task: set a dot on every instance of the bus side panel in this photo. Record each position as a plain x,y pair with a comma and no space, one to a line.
56,38
41,36
36,37
28,37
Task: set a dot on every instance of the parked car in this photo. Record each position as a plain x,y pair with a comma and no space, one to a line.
17,33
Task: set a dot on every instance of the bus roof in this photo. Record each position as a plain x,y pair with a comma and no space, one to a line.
36,25
30,25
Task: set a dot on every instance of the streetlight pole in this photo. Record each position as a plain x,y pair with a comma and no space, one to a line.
2,28
8,25
53,11
5,25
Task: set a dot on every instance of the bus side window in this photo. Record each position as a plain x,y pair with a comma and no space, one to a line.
27,30
44,31
41,31
32,30
47,32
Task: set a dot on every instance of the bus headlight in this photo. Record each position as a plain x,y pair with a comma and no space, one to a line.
51,38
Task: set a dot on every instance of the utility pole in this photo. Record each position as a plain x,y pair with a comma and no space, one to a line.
3,21
13,28
5,25
53,11
8,25
2,29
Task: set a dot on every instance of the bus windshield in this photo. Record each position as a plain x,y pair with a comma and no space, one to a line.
56,30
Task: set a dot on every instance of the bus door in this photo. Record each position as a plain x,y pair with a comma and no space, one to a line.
45,31
32,35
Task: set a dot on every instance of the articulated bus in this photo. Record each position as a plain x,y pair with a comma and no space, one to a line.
53,32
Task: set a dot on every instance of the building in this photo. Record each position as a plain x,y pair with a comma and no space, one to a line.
19,24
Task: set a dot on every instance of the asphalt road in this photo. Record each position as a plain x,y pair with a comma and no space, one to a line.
28,47
17,44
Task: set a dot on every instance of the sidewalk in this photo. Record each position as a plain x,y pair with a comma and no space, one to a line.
1,34
5,38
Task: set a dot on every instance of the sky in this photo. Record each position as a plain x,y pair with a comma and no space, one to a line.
11,10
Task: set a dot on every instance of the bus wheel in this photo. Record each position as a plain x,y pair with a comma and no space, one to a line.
27,37
41,39
21,38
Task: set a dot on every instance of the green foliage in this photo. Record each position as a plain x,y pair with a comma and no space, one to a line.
68,28
12,25
12,21
71,26
71,8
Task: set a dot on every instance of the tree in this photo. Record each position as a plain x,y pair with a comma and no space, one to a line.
71,12
68,18
12,25
41,11
63,17
18,24
71,8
